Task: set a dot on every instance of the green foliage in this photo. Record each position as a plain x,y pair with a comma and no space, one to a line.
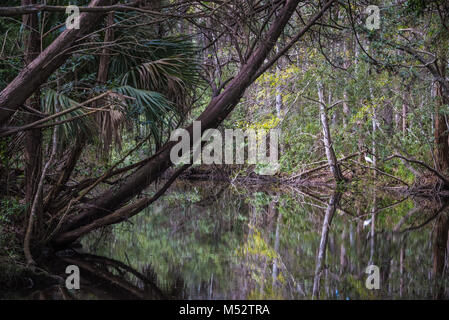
10,210
417,6
53,101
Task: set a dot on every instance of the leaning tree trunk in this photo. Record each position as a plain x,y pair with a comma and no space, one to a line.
45,64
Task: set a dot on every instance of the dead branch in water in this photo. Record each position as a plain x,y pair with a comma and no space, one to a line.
299,175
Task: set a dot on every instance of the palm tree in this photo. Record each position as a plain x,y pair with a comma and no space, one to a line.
150,82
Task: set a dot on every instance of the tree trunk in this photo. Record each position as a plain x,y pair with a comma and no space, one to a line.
441,132
33,138
66,171
278,102
102,78
47,62
404,111
346,110
330,154
217,110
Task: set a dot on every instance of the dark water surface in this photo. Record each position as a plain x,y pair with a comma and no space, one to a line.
219,241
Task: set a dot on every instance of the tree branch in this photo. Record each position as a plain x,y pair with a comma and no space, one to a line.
439,175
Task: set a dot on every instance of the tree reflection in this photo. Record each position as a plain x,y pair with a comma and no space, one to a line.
266,243
321,257
105,278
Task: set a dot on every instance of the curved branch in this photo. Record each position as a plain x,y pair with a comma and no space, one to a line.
439,175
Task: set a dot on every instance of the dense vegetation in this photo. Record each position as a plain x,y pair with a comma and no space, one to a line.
86,114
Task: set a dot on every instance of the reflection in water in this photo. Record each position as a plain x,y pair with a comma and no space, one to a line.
330,211
105,278
204,241
440,250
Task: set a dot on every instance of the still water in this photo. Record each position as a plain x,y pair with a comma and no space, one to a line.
220,241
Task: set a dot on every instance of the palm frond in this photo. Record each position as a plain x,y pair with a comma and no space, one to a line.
53,101
168,66
148,109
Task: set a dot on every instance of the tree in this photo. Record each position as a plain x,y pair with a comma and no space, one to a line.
72,212
99,212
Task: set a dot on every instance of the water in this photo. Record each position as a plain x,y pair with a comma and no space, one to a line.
220,241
